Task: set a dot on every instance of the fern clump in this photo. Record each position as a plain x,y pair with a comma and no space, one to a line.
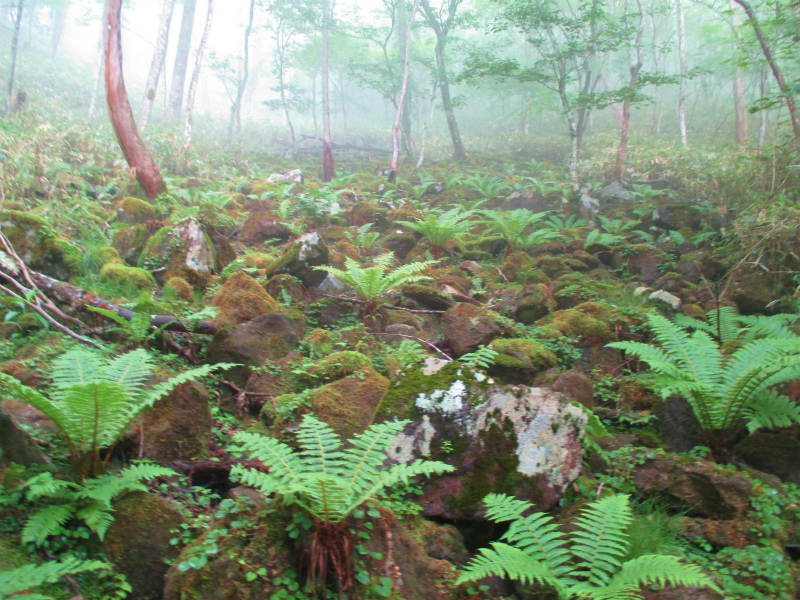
722,388
587,564
16,582
513,224
93,399
329,481
442,228
89,502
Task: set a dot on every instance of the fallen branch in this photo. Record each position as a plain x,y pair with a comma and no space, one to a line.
335,146
384,306
421,341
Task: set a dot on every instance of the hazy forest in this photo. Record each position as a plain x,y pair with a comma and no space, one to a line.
403,299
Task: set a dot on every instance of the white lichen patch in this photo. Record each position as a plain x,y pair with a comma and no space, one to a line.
408,446
446,402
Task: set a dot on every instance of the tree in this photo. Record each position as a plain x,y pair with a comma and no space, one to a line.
60,11
441,22
187,131
328,164
157,64
636,49
119,108
236,109
14,46
682,82
181,61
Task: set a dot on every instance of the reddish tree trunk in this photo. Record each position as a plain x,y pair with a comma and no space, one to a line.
119,108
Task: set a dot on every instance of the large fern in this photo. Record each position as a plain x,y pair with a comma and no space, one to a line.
442,228
93,399
587,564
726,324
512,225
722,388
323,478
90,502
16,581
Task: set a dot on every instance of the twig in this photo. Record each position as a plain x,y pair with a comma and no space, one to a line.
384,306
503,275
421,341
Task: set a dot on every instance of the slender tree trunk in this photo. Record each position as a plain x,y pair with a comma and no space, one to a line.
14,46
157,64
682,82
181,61
328,164
763,90
136,153
236,109
794,115
740,109
187,130
403,35
633,69
60,12
404,87
425,127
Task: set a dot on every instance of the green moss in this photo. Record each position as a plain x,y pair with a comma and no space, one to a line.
134,210
127,278
523,354
340,364
241,299
179,289
130,241
150,257
106,254
39,246
590,322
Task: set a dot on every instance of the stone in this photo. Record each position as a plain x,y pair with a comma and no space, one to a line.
261,227
300,258
138,541
614,191
241,299
39,246
516,440
295,175
223,248
17,445
774,452
520,360
588,207
287,289
466,327
182,250
533,303
471,267
641,260
134,211
428,296
674,217
665,297
529,199
130,241
679,426
178,426
127,278
576,386
331,284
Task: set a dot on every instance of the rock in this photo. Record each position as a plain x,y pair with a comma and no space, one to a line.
128,279
516,440
534,302
268,337
591,323
130,242
777,453
300,258
640,260
17,446
466,327
588,207
401,329
400,244
753,289
615,191
331,284
223,248
699,487
666,298
295,175
339,364
576,386
737,533
39,246
178,427
182,250
519,360
261,227
679,426
698,264
471,267
134,211
682,593
677,216
287,289
428,296
529,199
138,541
241,299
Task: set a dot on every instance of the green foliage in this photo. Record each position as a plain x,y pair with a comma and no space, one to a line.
487,187
323,479
512,225
93,399
722,388
483,358
364,239
726,324
90,502
16,582
587,564
442,228
409,352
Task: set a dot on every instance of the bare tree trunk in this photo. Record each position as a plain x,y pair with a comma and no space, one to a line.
740,110
173,112
634,69
157,64
441,29
119,108
682,83
236,109
328,164
60,12
187,130
403,35
402,99
794,116
763,90
14,46
425,127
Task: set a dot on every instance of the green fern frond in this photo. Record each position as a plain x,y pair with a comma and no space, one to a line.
654,569
601,539
45,485
46,521
74,367
725,323
97,517
18,580
158,391
771,409
371,283
130,370
507,561
444,227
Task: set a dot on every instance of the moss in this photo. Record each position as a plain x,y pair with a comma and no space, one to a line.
106,254
39,246
348,404
130,242
259,260
340,364
590,322
179,288
127,278
182,250
134,210
517,264
523,354
321,340
241,299
150,257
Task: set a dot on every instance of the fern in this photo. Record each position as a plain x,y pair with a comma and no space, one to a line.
586,564
513,224
16,581
722,388
482,358
93,399
726,324
442,228
90,502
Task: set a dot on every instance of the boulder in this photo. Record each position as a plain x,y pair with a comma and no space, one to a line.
300,258
181,250
519,360
614,191
674,217
640,260
241,299
138,541
134,211
534,302
261,227
16,445
178,427
774,452
287,289
576,386
466,327
37,244
130,241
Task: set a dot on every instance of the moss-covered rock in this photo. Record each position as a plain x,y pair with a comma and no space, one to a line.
179,288
130,241
517,264
41,248
126,278
182,250
519,360
339,365
178,427
134,211
16,445
287,289
466,327
428,296
240,299
262,227
533,302
300,258
589,323
138,541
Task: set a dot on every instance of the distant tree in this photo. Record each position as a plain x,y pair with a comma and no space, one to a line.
157,64
14,46
60,10
181,61
236,110
119,108
401,102
328,163
189,120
